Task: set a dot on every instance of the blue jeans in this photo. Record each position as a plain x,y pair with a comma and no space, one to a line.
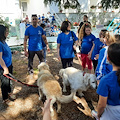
44,53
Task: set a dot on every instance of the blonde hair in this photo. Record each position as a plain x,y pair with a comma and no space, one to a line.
82,33
110,38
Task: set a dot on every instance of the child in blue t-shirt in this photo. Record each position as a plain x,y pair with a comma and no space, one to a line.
109,88
43,17
87,39
65,45
98,45
104,67
53,19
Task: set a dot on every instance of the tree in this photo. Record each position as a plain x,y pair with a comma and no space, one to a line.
110,4
65,3
75,3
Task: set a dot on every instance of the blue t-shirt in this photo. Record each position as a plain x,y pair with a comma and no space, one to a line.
6,54
35,38
98,46
43,17
66,44
103,67
53,18
87,43
109,87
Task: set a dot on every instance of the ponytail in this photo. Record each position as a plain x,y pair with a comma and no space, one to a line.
118,74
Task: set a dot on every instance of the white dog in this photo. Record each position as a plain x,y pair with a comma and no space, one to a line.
51,88
77,80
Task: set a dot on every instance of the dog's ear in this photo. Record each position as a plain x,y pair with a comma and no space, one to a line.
43,66
86,79
46,67
61,72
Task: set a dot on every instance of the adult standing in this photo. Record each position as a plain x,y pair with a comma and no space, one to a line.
5,65
35,34
65,43
85,19
26,19
22,30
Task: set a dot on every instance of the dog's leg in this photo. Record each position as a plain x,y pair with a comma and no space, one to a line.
64,86
65,80
58,107
80,93
40,93
51,106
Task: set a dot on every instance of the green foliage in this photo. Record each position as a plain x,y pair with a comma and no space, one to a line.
66,3
4,22
110,3
75,3
93,6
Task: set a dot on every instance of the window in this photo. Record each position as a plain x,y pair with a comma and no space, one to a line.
24,6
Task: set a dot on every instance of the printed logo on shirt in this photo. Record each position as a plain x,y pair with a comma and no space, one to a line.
71,39
39,33
90,39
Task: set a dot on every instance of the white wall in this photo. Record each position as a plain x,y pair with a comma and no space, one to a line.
10,8
94,2
36,7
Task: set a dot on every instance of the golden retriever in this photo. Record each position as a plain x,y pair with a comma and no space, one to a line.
51,88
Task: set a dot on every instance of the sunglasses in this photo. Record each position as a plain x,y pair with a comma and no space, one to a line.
34,19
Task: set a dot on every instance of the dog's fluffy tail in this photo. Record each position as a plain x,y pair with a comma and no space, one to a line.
66,98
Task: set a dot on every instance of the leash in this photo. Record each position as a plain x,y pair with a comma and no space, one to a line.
13,78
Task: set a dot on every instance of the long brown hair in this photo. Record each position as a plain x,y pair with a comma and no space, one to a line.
82,33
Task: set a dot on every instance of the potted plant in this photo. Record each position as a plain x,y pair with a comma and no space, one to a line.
75,24
93,7
99,7
60,11
116,7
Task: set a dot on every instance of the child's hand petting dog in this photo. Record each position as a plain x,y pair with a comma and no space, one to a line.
46,106
46,110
